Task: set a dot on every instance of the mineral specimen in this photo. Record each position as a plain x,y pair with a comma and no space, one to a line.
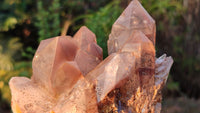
69,75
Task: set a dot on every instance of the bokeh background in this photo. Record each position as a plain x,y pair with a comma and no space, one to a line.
24,23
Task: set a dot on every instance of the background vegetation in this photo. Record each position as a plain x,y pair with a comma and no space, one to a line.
24,23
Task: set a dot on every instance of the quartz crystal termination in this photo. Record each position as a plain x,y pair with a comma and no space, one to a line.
90,54
54,59
133,18
57,79
134,32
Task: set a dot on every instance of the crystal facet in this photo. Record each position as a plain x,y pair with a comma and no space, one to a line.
81,100
111,73
53,64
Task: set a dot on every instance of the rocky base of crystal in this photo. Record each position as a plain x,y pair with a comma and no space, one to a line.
70,75
138,98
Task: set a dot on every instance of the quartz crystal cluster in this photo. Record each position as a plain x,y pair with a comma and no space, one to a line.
70,75
58,82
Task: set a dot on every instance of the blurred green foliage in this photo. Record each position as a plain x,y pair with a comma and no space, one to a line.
19,69
168,13
45,16
101,23
7,51
178,24
9,68
13,12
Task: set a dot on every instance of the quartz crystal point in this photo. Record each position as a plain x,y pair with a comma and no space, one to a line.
163,65
54,66
90,54
134,17
143,50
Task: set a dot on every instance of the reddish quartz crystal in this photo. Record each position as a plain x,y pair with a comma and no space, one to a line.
90,54
58,69
27,97
143,77
53,64
144,51
133,18
84,37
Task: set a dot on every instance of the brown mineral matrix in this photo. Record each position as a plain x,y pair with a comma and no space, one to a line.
134,17
138,99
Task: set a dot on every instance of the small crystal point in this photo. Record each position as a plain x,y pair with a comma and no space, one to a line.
89,54
84,37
